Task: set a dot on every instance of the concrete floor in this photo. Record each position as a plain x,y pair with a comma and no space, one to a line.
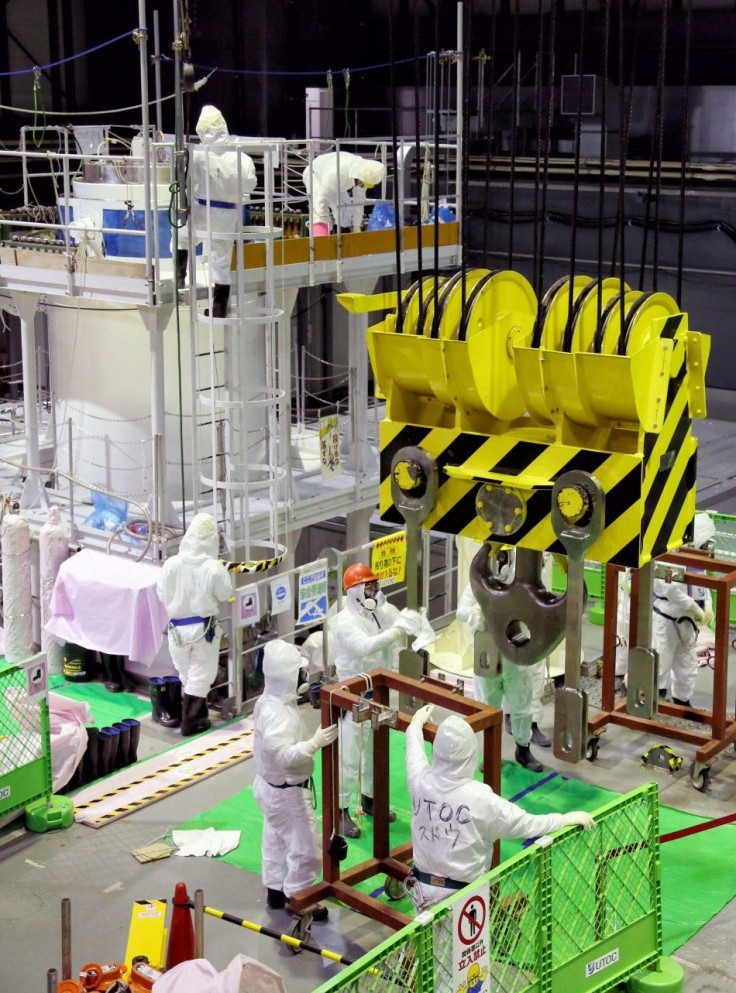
95,869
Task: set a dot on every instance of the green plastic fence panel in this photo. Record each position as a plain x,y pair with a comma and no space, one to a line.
725,549
595,579
25,747
577,915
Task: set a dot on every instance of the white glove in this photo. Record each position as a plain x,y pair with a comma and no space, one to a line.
409,621
423,715
708,617
321,738
475,619
427,635
581,817
697,614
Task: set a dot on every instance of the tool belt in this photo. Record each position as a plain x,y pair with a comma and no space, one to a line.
432,880
288,786
209,623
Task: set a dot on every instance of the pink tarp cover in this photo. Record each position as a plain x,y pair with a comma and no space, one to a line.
108,603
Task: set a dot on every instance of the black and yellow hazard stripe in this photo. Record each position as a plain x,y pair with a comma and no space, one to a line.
172,765
649,495
255,565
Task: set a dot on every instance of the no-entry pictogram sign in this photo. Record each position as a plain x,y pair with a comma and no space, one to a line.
471,920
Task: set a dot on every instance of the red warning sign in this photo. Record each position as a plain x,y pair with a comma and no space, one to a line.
471,920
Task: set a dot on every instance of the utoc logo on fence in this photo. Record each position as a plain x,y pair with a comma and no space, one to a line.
5,793
599,964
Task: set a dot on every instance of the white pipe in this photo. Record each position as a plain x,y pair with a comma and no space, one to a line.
143,51
17,601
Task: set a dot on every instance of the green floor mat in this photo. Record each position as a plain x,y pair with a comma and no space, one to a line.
106,707
694,884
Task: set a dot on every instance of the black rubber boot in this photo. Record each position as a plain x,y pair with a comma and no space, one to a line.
172,701
161,693
507,723
114,746
682,703
366,803
112,666
275,899
135,733
182,258
220,298
192,721
347,826
539,737
104,750
89,762
524,757
663,693
121,757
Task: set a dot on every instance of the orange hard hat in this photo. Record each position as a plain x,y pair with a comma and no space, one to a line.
358,573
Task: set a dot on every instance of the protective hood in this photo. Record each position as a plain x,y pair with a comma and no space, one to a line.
201,540
704,530
454,754
281,665
370,172
211,126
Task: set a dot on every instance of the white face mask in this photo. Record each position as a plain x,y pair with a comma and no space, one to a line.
370,603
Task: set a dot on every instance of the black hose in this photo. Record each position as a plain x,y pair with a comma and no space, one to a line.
395,156
487,183
685,147
567,336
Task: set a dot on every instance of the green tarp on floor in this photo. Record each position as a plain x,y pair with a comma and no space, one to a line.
106,707
697,881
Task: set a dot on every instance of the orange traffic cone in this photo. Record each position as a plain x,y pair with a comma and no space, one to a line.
181,932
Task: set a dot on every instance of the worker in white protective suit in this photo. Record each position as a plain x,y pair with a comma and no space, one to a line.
514,683
365,634
679,612
191,587
222,181
455,819
284,756
336,183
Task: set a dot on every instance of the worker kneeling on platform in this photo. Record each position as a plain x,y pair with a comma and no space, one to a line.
284,756
365,634
455,819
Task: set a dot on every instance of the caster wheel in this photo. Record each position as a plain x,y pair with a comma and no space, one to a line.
700,777
393,888
302,931
591,752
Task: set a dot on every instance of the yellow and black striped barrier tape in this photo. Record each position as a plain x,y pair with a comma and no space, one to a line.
254,565
165,790
287,939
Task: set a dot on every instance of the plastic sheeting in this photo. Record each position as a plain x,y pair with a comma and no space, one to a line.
243,975
54,549
17,605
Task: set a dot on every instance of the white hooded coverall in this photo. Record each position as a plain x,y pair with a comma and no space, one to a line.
330,190
514,683
192,584
678,613
290,847
362,640
455,819
218,192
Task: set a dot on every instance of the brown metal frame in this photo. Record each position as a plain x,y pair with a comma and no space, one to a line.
338,698
723,728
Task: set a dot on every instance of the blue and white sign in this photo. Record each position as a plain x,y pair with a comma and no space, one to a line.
281,595
312,593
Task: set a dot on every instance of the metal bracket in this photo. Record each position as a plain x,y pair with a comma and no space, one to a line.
361,711
382,716
578,502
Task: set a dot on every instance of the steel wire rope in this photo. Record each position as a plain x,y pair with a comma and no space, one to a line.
435,177
603,152
513,136
685,148
395,156
567,335
538,142
655,158
538,323
489,136
619,238
417,157
464,138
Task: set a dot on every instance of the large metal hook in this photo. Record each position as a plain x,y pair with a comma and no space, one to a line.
523,618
